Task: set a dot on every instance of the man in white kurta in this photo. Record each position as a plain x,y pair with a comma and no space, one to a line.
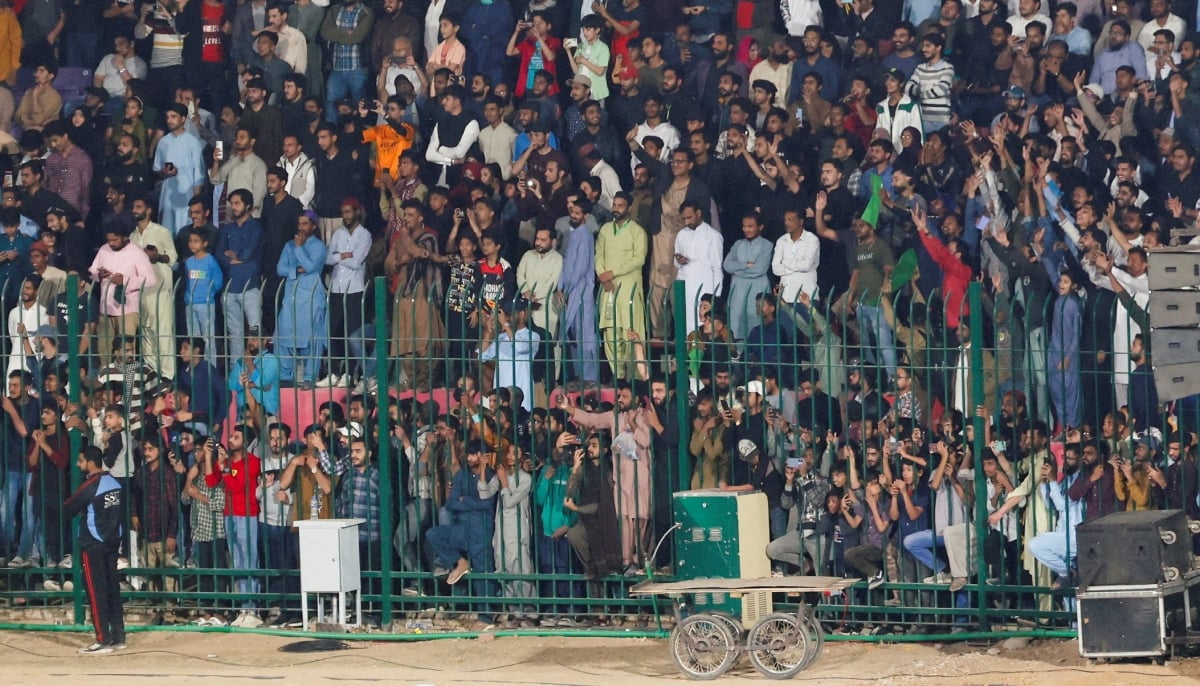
157,323
699,250
797,255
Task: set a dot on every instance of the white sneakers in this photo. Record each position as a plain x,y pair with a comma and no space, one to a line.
247,620
333,381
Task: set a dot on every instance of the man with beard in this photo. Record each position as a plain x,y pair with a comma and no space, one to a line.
158,301
576,285
339,172
630,424
122,167
1056,549
813,62
903,56
545,200
539,272
347,255
262,120
179,161
832,210
293,117
23,322
122,271
931,81
628,105
390,24
35,198
392,138
678,105
292,46
280,212
243,170
418,333
698,256
776,68
620,257
239,250
602,138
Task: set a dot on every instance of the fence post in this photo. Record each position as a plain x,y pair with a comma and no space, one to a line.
679,314
977,398
385,466
73,396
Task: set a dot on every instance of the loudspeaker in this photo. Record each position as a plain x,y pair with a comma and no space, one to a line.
1174,268
1134,548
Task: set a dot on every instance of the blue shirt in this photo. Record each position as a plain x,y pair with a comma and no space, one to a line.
1078,40
514,361
920,498
246,243
204,280
265,378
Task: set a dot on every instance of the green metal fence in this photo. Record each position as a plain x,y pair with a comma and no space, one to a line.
534,584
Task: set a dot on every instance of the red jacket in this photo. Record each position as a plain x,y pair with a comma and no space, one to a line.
956,276
240,483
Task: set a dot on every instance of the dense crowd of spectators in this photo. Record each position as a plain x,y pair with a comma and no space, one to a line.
532,178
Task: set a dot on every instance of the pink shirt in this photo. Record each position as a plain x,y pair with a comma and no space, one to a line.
133,264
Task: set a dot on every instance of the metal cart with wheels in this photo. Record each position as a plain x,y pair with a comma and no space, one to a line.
780,645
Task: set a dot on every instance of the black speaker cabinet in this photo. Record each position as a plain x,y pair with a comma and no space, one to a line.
1134,548
1131,621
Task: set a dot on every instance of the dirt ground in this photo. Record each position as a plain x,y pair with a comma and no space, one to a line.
192,658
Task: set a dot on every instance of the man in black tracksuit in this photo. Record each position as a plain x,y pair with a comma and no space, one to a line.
99,501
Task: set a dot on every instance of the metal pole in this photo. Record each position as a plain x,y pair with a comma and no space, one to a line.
679,308
385,465
977,399
73,334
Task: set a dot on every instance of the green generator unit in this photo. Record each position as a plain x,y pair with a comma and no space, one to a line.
724,535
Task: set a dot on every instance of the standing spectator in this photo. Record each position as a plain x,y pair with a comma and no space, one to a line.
238,471
538,50
244,170
14,254
301,171
41,104
346,29
123,271
292,46
156,520
206,25
930,84
620,258
575,296
301,334
10,46
160,22
698,250
239,250
262,119
23,323
338,178
514,530
484,28
796,258
347,255
511,344
207,524
99,498
202,280
179,161
357,497
455,134
157,308
417,328
280,213
1062,357
747,263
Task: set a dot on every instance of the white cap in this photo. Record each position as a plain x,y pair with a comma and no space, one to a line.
353,430
755,386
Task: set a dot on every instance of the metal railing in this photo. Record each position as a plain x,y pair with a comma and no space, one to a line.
419,395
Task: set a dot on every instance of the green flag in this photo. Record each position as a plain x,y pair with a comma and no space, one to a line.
870,213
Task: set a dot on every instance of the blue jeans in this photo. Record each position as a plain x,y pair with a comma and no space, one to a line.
357,346
241,309
877,338
921,546
9,497
242,533
350,85
202,323
79,50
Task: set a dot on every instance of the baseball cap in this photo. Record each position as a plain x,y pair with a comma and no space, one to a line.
746,450
896,73
1014,92
628,72
352,430
1095,89
582,79
755,386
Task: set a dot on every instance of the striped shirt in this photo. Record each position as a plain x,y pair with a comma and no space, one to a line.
168,42
930,85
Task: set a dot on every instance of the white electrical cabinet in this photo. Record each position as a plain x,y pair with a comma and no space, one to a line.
329,564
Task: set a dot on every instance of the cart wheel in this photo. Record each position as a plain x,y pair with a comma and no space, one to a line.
704,647
735,629
816,639
778,647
